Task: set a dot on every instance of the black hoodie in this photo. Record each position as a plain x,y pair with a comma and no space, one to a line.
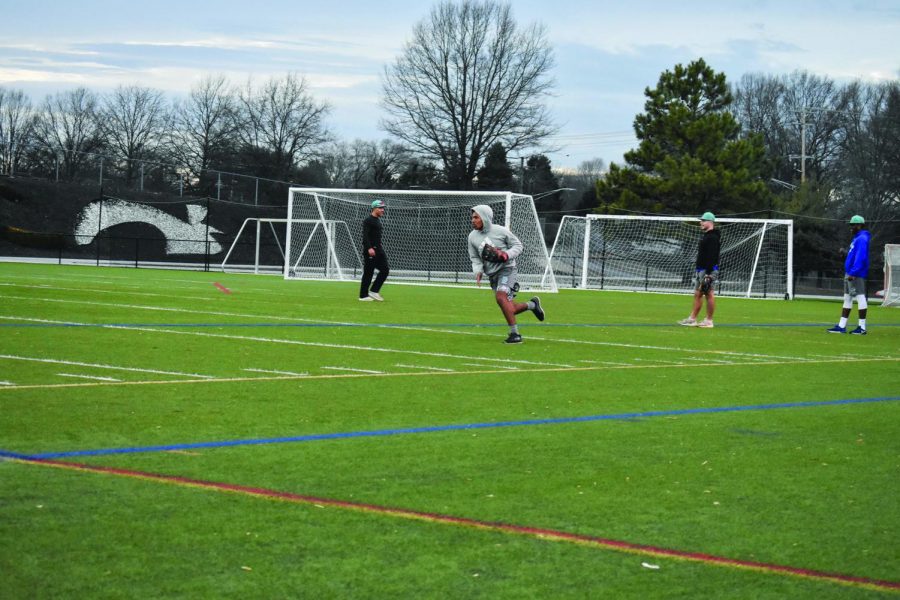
708,252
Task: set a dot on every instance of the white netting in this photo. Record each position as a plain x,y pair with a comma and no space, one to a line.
425,235
891,275
658,254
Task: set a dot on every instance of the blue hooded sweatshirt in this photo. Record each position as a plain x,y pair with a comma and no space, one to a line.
857,263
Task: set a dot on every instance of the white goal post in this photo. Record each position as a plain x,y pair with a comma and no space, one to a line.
425,235
891,275
311,225
658,254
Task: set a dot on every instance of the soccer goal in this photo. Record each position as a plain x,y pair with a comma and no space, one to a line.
425,235
237,258
658,254
891,275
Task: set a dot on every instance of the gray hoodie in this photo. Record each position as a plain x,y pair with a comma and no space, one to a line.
496,235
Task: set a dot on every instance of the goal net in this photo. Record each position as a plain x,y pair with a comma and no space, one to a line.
425,235
891,275
658,254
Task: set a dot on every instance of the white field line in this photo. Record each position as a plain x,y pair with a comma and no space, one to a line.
451,331
6,383
723,362
94,377
491,366
424,367
126,286
96,291
492,371
101,366
272,372
657,360
669,348
353,370
300,343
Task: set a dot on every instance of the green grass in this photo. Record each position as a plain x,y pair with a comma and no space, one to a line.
811,487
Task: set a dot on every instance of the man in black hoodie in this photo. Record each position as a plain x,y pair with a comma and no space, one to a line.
374,256
706,273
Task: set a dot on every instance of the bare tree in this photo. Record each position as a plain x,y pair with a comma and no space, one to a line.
67,126
134,121
16,127
869,156
470,77
365,164
205,126
782,108
283,121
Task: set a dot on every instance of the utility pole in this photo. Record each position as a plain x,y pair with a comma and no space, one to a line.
802,145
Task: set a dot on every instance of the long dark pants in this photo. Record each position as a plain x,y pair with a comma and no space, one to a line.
370,263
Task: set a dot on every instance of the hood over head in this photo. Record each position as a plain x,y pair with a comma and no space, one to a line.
487,216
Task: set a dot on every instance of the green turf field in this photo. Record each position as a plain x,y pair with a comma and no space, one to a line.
167,437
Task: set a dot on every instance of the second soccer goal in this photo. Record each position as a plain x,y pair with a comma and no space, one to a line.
657,254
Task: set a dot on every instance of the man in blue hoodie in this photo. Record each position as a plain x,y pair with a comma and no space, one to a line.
493,250
856,269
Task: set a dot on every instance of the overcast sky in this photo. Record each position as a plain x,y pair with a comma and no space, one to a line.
606,53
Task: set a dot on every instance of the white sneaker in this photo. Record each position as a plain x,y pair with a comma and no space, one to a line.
688,322
706,324
376,296
366,299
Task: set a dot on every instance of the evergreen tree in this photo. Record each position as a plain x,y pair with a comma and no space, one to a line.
690,157
496,174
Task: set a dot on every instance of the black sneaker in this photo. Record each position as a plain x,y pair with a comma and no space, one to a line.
538,311
514,338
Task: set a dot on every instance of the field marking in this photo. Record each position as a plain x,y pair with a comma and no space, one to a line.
129,292
503,371
6,383
402,366
491,366
353,370
315,437
94,377
540,533
428,329
274,372
313,344
101,366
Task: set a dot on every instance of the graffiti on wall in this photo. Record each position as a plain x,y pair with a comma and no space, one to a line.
182,237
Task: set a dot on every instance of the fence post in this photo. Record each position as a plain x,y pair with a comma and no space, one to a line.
207,235
99,227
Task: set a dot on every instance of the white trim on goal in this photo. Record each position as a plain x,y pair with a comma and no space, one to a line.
656,254
891,275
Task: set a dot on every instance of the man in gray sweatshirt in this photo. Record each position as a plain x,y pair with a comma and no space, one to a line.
493,250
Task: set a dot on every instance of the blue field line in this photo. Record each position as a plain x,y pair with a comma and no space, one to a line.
412,325
465,426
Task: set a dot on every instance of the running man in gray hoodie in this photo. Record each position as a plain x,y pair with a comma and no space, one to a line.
493,250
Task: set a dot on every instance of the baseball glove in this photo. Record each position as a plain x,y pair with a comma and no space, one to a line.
493,254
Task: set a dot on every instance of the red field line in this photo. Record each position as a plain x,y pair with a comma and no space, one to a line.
541,533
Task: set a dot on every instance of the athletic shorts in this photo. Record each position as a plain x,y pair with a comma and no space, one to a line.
855,287
505,280
700,275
